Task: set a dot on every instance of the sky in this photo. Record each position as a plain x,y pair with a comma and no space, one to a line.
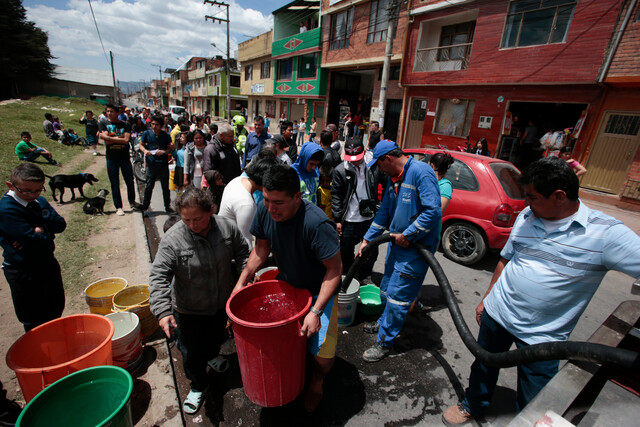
144,32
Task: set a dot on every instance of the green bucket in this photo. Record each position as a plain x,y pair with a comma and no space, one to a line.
370,303
97,396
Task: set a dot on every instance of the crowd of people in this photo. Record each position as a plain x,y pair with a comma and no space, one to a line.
309,205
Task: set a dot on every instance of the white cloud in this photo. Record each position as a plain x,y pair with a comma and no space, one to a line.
141,33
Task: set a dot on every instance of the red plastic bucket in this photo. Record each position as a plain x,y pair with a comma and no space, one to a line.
58,348
266,326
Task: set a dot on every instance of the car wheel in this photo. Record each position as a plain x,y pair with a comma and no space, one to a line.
463,243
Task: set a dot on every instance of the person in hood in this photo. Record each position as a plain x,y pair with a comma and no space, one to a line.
310,157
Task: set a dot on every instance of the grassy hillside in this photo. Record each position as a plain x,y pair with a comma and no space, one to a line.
28,116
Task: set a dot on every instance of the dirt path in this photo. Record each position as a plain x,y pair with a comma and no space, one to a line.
113,252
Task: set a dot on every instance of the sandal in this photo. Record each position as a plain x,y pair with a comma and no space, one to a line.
219,364
193,402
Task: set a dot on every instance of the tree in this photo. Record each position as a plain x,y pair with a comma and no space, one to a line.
24,52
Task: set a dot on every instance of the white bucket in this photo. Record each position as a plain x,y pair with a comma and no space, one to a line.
347,303
126,343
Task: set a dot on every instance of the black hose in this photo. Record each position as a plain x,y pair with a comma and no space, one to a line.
583,351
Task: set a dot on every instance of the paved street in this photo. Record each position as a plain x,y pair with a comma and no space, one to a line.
427,372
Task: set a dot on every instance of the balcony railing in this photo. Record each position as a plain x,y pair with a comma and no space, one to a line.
443,58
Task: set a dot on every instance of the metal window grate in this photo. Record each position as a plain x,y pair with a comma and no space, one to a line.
631,189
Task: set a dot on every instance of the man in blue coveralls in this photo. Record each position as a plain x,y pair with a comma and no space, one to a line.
411,211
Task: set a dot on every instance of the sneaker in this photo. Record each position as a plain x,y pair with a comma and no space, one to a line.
456,415
371,327
376,353
95,153
119,212
137,207
169,211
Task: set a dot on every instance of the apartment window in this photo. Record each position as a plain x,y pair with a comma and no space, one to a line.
378,21
307,66
235,81
265,70
455,41
248,72
394,73
621,124
285,69
454,117
216,79
341,29
210,80
536,22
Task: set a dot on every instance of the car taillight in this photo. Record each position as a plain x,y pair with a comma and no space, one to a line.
503,216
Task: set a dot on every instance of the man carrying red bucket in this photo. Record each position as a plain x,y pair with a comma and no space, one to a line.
306,248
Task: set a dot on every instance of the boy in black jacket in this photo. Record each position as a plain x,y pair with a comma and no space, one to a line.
27,230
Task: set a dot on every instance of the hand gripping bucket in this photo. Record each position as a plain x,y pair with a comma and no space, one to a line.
135,299
98,396
266,320
126,344
347,303
58,348
99,294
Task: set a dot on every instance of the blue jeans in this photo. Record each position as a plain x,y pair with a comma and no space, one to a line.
154,172
31,156
532,377
113,167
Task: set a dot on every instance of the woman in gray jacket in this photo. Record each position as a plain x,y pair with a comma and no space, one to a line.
190,282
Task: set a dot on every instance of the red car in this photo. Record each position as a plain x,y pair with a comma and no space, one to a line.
486,201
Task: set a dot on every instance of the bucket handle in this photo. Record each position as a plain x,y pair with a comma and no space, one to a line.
131,307
49,378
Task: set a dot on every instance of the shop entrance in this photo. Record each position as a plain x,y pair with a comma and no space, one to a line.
350,91
540,117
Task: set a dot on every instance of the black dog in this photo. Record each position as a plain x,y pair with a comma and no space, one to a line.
95,205
61,182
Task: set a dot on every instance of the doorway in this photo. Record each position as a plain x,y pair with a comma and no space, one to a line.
392,118
415,126
612,152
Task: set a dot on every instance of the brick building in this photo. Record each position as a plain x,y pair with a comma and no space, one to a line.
486,68
354,35
611,153
299,82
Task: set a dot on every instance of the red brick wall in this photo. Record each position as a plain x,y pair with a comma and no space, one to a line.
576,61
626,61
487,104
358,48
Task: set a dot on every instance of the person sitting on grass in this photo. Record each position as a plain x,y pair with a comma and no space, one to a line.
29,152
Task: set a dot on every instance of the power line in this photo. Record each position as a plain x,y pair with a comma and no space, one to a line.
98,30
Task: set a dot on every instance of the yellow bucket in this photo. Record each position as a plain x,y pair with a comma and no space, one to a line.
99,294
135,299
172,174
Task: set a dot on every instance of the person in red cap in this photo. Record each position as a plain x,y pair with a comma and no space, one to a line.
354,203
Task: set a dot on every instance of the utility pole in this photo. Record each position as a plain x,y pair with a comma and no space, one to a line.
113,76
227,67
160,84
392,12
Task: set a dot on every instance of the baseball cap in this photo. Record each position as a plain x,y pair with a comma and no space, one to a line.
382,148
353,150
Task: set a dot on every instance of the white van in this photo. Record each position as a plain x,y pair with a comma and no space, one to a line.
176,111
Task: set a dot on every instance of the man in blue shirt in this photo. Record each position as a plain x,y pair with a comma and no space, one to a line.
411,211
27,231
305,246
557,254
255,141
156,144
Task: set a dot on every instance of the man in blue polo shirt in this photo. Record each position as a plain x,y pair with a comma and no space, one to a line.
557,254
255,141
156,144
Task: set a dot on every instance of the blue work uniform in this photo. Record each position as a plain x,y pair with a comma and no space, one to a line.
414,210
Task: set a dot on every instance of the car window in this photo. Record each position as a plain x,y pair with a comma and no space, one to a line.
508,176
460,175
177,110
